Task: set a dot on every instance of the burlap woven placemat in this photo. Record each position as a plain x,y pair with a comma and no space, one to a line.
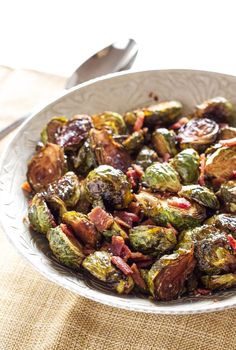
37,314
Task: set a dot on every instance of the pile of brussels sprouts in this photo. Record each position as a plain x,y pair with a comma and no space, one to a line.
143,202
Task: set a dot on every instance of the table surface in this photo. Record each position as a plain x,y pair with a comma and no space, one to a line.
37,314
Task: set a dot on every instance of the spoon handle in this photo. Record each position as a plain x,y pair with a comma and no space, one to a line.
6,130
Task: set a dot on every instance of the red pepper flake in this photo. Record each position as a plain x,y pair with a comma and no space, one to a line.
229,142
26,187
122,265
138,279
179,202
201,179
232,242
179,123
139,121
117,244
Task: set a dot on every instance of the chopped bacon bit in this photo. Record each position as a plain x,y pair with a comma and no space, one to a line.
138,279
101,219
233,176
138,169
179,123
128,218
68,232
179,202
117,244
148,222
139,121
125,253
166,157
132,177
201,179
138,256
122,265
202,291
134,208
121,222
26,187
232,242
229,142
87,250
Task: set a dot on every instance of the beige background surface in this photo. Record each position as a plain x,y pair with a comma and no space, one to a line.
37,314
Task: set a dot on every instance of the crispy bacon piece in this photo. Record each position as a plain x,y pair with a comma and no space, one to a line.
179,123
127,217
139,121
229,142
122,265
117,244
138,169
138,279
132,177
134,208
68,232
232,242
201,179
101,219
138,256
125,253
179,202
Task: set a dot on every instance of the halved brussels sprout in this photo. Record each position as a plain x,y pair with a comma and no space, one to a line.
217,108
221,163
108,185
186,163
163,141
161,177
67,188
188,238
40,217
214,254
74,132
65,246
111,120
52,129
167,276
108,151
201,195
85,159
225,222
100,266
163,213
225,281
83,228
152,240
134,142
227,133
146,157
46,166
198,134
227,194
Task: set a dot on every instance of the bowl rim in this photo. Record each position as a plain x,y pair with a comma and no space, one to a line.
219,306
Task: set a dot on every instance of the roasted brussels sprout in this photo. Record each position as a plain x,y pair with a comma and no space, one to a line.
227,194
146,157
52,129
108,151
83,205
134,142
214,254
217,108
74,132
227,133
163,141
40,217
225,222
161,177
46,166
85,159
225,281
100,266
198,134
65,246
108,185
111,120
201,195
186,163
188,238
152,240
67,188
167,276
221,163
56,206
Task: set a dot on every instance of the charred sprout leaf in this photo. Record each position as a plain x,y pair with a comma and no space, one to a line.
85,159
161,177
65,247
198,134
83,228
152,240
186,163
146,157
100,266
67,188
46,166
74,132
221,163
201,195
108,151
111,120
225,222
39,214
217,108
57,206
114,230
227,133
168,275
108,185
227,194
163,141
52,129
225,281
214,254
134,142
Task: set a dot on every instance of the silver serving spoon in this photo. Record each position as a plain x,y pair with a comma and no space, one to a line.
113,58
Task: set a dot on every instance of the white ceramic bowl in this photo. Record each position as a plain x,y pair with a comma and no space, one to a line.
117,92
